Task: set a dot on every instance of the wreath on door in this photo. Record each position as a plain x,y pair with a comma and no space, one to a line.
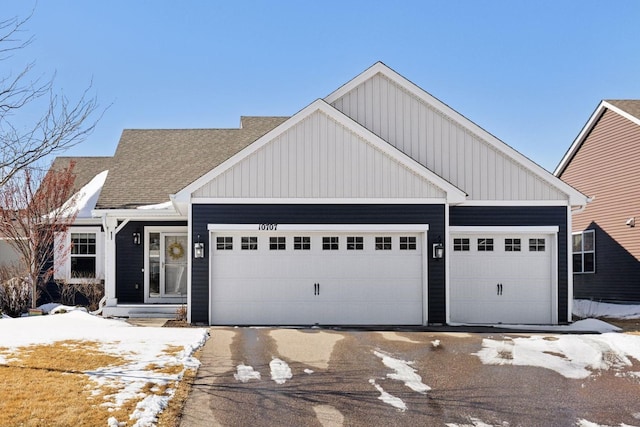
176,251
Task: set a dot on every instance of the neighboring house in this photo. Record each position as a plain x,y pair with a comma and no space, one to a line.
376,205
603,163
8,255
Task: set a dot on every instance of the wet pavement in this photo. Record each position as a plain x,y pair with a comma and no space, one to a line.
352,378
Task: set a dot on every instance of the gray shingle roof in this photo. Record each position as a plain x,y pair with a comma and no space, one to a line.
149,165
631,106
85,169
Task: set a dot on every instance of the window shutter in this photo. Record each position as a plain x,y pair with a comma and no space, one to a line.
61,253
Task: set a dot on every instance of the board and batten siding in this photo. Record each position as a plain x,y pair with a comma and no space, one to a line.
319,158
605,168
441,144
205,214
517,216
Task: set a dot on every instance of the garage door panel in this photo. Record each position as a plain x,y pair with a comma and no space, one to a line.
501,285
364,286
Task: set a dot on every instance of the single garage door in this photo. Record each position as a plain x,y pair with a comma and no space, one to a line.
502,278
301,278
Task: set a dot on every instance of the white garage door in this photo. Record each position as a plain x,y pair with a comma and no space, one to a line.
302,278
502,278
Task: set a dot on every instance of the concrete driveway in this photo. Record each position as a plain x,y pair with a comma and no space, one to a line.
316,377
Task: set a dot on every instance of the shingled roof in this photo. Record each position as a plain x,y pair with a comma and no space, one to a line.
631,106
85,169
149,165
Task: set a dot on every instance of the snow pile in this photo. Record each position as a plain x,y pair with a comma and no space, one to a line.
280,371
140,347
245,373
84,201
586,308
572,356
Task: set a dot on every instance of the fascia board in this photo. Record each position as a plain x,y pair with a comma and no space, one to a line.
575,146
138,214
454,194
575,197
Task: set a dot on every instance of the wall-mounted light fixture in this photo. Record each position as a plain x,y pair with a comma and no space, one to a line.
136,238
198,249
631,222
438,249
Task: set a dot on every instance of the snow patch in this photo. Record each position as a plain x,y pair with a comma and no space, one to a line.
587,308
572,356
84,201
159,206
246,373
280,371
308,371
475,422
389,399
404,372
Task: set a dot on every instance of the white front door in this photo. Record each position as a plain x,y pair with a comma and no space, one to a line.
502,278
302,278
165,266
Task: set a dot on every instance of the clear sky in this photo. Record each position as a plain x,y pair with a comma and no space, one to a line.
529,72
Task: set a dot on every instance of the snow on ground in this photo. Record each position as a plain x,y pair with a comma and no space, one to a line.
586,308
387,398
280,371
140,347
245,373
572,356
403,372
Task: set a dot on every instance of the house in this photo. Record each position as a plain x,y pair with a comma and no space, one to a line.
603,163
376,205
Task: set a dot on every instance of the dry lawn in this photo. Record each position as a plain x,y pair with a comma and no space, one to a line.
45,385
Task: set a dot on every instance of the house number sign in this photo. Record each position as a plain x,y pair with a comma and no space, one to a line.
267,227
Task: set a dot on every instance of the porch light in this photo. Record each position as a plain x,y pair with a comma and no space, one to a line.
438,250
136,238
198,249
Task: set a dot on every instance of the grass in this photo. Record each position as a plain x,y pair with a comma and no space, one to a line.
45,385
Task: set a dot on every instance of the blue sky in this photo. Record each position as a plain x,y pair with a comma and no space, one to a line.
530,73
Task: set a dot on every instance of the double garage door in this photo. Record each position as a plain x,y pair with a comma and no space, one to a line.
280,277
506,277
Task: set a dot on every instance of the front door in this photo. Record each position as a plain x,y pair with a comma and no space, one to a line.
166,272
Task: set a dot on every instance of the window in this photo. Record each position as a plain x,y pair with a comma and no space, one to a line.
584,252
407,243
277,243
460,245
355,243
536,245
83,255
383,243
249,243
224,243
512,245
302,243
485,245
330,243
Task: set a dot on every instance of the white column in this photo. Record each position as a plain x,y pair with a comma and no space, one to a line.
110,224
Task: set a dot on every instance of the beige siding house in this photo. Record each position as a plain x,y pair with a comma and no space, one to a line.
603,163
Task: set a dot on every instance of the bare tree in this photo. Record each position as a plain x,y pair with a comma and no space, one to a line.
33,210
61,123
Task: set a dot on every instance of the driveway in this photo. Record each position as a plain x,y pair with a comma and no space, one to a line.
319,377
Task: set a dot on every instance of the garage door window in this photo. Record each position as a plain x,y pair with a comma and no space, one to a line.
408,243
461,245
512,245
301,243
355,243
277,243
224,243
330,243
383,243
249,243
584,252
536,245
485,245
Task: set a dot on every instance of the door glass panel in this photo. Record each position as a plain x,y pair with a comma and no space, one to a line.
175,267
154,264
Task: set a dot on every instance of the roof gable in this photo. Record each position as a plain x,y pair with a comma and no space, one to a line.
629,109
444,141
320,153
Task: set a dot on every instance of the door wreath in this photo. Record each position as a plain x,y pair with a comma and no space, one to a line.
176,251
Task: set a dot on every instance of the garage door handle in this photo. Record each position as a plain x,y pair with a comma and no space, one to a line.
499,290
316,288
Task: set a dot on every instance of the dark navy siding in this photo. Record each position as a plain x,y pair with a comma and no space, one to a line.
617,275
523,216
130,261
202,215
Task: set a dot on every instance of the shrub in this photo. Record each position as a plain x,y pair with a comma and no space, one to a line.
15,291
91,290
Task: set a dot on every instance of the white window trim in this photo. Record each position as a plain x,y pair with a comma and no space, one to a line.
63,271
582,251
